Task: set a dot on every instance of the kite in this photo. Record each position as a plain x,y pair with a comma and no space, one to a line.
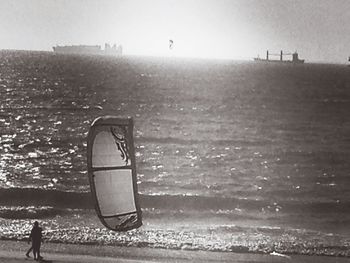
112,173
171,43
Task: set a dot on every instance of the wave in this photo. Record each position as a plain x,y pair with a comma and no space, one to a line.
186,141
42,197
83,200
30,212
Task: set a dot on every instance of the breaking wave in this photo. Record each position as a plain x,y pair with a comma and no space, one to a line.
83,200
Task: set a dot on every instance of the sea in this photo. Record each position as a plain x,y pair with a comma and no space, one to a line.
231,156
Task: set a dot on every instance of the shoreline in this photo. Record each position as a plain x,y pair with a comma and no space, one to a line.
14,251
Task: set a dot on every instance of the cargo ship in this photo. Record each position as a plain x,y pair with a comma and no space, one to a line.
295,58
90,50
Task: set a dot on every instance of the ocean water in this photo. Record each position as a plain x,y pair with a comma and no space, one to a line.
231,156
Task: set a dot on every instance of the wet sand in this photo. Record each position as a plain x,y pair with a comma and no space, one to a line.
14,251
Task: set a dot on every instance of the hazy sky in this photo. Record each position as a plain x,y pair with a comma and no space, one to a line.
318,29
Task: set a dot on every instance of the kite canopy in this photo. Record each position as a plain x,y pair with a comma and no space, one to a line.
112,173
171,43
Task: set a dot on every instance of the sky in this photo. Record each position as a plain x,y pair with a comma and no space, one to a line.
226,29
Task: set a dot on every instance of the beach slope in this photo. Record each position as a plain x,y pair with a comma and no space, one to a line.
14,252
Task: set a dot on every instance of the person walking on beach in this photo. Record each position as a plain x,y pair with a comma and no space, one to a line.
36,238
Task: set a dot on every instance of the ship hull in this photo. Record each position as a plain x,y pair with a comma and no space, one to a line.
300,61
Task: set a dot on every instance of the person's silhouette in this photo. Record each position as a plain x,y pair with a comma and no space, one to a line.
36,238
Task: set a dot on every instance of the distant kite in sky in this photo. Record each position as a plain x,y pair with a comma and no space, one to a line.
171,43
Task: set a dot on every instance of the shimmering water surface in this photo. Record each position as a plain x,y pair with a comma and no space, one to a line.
231,156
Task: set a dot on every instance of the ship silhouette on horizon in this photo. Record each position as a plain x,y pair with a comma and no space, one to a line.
295,58
90,50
